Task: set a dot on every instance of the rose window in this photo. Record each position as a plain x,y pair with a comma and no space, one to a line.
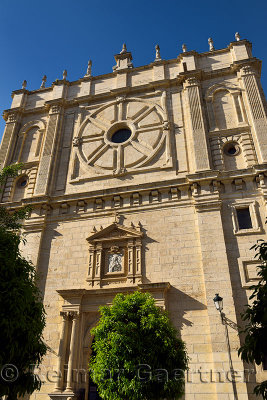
125,135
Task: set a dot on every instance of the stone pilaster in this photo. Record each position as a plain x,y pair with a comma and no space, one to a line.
217,280
72,354
98,263
46,175
34,232
198,140
130,251
257,110
62,351
9,138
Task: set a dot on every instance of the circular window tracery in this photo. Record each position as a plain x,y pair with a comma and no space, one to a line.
231,149
22,182
121,135
104,149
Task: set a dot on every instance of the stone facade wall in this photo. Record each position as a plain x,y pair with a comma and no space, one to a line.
166,199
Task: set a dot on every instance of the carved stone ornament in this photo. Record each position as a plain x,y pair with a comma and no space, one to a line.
158,57
237,36
97,154
89,68
55,109
12,117
76,141
115,262
166,126
115,256
43,82
123,59
247,70
211,45
191,81
64,75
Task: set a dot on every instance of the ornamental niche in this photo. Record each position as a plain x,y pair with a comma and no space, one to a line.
123,136
115,256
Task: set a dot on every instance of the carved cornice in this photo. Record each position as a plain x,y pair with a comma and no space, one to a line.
137,195
205,205
58,82
20,91
229,131
84,299
150,86
34,227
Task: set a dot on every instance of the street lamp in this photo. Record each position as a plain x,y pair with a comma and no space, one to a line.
218,301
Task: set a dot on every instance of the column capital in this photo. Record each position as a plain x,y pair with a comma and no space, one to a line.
248,70
64,315
55,106
12,115
191,81
248,67
74,315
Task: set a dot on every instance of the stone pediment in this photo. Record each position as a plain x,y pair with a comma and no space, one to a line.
115,255
115,231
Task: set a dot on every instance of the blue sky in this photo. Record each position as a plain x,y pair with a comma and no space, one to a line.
40,38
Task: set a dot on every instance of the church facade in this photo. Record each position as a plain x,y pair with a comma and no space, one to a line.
154,179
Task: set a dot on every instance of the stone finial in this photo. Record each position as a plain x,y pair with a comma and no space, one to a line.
237,36
123,59
184,48
210,41
24,84
158,58
124,49
64,74
43,82
89,68
116,217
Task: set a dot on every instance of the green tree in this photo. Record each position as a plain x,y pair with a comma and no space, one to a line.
254,348
22,315
136,351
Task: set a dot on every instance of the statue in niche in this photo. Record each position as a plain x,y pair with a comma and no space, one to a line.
115,260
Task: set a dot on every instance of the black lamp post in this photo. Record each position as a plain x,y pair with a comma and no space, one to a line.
218,301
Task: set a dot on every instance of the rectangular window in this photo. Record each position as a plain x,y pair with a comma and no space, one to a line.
243,218
185,66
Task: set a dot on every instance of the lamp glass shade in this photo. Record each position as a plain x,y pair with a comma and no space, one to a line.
218,301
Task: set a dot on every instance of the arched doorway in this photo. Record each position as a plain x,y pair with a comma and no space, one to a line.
92,387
